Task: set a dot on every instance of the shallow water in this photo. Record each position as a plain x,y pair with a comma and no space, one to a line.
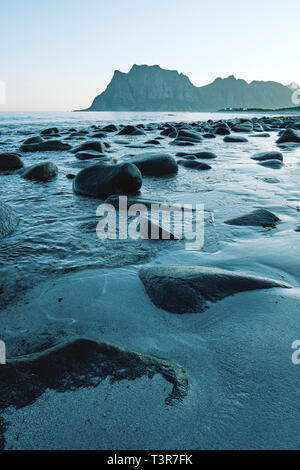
57,232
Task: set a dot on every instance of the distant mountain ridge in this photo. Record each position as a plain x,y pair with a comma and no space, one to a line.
151,88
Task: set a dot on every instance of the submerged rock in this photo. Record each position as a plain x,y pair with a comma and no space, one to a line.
89,154
268,156
49,146
102,180
41,172
201,155
275,164
9,219
194,164
258,218
10,161
191,289
234,138
33,140
155,164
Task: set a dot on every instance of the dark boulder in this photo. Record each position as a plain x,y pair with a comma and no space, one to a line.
89,154
234,139
131,130
50,131
33,140
10,161
102,180
155,164
268,156
49,146
91,145
110,128
41,172
191,289
9,219
290,135
258,218
274,164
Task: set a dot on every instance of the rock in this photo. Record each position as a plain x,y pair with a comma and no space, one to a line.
205,155
49,146
234,139
99,135
201,155
33,140
194,164
102,180
208,135
189,135
222,131
41,172
147,202
258,218
9,219
191,289
110,128
242,128
261,134
170,131
275,164
155,164
152,142
50,131
268,156
70,176
10,161
185,143
92,145
131,130
89,154
289,135
81,363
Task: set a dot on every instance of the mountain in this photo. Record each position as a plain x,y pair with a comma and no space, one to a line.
151,88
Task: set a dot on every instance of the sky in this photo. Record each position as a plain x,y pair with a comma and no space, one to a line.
59,54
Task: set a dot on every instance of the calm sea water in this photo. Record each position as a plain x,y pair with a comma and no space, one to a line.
57,233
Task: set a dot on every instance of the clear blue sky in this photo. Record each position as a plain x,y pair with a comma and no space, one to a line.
59,54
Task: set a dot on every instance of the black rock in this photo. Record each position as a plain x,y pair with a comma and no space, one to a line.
91,145
10,161
33,140
49,146
222,131
41,172
131,130
102,180
290,135
194,164
257,218
155,164
9,219
275,164
268,156
234,139
50,131
89,154
110,128
191,289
